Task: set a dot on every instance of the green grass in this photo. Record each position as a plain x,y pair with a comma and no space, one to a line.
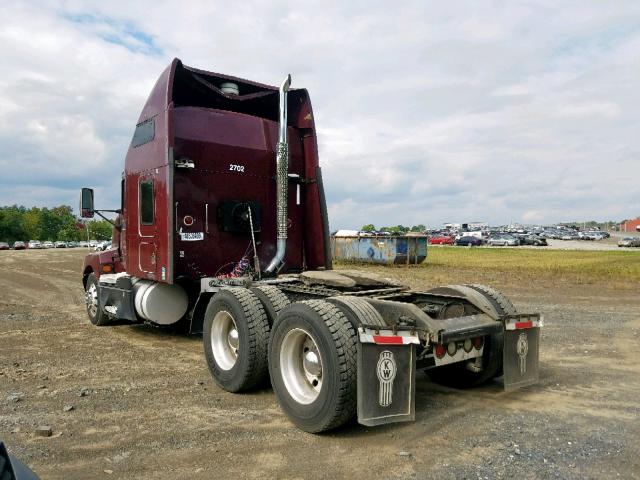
500,265
597,265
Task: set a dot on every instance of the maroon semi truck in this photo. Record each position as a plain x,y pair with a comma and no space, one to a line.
223,226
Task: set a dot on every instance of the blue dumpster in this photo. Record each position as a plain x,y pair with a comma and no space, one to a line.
387,249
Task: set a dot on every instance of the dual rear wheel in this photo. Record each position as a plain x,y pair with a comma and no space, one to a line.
309,353
308,349
313,365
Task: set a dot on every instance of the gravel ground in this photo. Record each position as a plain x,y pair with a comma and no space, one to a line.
131,401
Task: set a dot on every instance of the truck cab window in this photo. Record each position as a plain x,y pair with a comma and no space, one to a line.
146,203
144,133
122,196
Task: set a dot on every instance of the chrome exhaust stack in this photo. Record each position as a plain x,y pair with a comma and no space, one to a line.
282,181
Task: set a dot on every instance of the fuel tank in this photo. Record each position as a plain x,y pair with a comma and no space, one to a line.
158,302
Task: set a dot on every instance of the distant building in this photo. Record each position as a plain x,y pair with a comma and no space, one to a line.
630,225
478,225
467,227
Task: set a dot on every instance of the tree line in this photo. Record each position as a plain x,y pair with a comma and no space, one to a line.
58,223
398,229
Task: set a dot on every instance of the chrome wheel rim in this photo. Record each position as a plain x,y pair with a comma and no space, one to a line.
301,366
91,299
224,340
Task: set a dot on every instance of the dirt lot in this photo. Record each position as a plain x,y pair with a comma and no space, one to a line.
144,405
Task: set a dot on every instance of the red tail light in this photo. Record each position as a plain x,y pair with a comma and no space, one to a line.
477,342
440,350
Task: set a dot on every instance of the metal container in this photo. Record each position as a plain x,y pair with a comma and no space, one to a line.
388,249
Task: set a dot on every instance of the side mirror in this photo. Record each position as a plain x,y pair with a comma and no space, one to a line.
86,203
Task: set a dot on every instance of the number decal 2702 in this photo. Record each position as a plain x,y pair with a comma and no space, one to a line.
236,168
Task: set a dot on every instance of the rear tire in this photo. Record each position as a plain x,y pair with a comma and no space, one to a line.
313,365
273,300
235,337
500,301
92,299
457,375
358,311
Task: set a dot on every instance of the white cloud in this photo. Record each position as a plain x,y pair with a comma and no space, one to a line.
426,112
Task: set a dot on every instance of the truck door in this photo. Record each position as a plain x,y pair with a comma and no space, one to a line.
147,224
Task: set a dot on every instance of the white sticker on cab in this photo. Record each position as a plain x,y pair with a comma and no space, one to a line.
191,236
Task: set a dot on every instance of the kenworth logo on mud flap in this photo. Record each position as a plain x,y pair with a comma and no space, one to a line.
522,348
386,374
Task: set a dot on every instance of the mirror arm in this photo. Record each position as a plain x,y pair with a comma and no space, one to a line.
118,227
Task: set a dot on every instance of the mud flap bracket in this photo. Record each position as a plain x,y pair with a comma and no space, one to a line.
386,376
116,297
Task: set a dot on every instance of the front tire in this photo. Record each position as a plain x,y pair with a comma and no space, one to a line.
313,365
235,337
92,299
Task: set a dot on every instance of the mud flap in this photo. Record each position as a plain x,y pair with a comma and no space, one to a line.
521,351
386,377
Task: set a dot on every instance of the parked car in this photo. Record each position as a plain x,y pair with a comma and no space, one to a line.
570,236
60,244
19,245
72,244
477,233
47,244
586,235
101,246
533,240
468,241
83,244
4,246
554,234
629,242
503,240
540,242
441,240
34,244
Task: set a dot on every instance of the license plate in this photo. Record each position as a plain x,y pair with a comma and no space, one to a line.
191,236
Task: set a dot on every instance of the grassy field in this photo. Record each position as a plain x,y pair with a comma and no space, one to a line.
499,265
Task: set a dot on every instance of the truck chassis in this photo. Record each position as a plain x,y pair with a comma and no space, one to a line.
336,345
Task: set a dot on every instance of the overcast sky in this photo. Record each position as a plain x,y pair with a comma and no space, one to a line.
426,112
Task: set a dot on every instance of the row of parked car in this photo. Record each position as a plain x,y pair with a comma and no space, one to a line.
497,239
36,244
568,234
